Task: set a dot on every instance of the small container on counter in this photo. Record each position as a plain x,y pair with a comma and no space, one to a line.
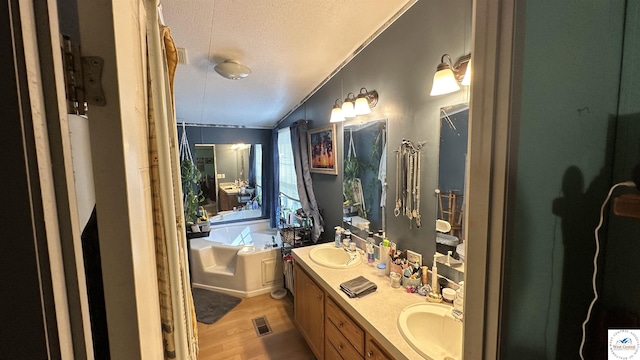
394,279
381,269
448,295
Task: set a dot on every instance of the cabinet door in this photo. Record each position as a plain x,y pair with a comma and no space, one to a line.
373,351
309,310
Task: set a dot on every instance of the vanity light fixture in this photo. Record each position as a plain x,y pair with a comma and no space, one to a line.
448,75
365,101
240,146
348,110
353,106
336,113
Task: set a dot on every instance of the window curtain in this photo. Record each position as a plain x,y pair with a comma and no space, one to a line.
275,184
305,185
252,166
179,329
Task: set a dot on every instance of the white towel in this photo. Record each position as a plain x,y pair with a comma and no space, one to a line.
382,176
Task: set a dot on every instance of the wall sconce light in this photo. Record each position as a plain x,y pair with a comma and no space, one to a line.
336,113
365,101
352,106
448,75
348,106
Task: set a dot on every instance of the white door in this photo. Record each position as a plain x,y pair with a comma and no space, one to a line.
115,32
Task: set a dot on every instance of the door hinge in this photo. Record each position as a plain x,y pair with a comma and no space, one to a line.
83,75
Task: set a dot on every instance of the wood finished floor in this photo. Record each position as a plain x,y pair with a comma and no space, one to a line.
234,338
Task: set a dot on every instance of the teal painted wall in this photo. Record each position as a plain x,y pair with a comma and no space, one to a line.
399,64
570,86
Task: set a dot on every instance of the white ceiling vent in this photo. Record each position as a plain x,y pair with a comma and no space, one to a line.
182,55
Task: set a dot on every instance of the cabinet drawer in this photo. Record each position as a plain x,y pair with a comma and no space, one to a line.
374,351
340,344
347,327
330,353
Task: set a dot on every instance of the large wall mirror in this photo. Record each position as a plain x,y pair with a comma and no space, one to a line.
454,130
364,173
231,181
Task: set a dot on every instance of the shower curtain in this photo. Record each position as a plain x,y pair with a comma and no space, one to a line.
177,313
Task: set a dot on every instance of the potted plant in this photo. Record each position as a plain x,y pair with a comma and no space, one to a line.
192,196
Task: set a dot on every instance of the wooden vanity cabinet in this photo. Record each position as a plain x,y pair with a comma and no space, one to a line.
308,310
227,201
330,332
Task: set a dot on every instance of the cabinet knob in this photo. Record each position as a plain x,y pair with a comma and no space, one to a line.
370,354
319,297
340,347
340,324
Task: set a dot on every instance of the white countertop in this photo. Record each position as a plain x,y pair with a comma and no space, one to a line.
377,312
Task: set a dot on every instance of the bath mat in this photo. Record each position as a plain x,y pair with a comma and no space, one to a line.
211,306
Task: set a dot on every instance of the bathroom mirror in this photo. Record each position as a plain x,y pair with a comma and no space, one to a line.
454,129
231,181
364,174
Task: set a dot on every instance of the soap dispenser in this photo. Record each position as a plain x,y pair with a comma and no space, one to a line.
434,295
338,237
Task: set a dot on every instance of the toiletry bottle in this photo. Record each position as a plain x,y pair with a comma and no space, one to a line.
435,286
434,295
338,236
370,247
346,238
458,303
346,241
425,275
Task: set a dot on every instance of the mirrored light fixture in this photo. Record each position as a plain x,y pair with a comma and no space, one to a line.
448,75
365,101
348,106
466,80
336,113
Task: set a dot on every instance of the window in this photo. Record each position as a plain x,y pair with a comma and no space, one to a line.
288,181
258,170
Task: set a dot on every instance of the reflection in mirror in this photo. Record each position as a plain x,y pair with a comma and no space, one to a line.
231,181
454,126
364,173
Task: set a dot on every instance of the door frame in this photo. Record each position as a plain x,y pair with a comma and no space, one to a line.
498,28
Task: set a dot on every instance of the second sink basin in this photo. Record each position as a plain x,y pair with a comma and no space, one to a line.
431,330
333,257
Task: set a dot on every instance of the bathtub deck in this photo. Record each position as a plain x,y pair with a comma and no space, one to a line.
233,336
220,270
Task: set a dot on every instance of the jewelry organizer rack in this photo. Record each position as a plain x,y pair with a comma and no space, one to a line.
408,170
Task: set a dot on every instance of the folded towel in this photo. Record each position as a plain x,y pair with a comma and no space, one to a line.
445,239
357,287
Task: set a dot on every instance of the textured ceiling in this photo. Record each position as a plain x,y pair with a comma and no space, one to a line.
292,47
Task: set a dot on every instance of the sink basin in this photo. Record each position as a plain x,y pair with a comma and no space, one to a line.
431,330
333,257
